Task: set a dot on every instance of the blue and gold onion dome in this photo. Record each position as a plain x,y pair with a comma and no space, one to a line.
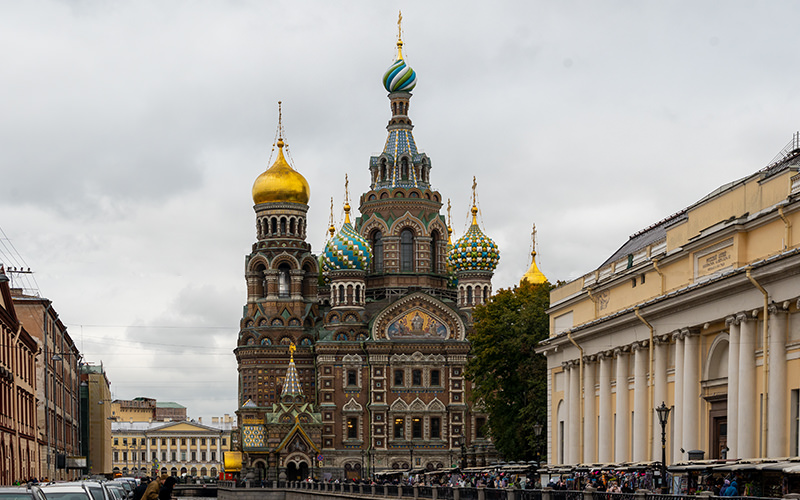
474,251
346,249
281,183
399,77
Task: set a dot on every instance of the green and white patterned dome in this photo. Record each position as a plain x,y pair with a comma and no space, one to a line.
346,249
474,251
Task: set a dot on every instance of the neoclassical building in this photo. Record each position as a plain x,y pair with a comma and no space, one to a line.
380,320
700,311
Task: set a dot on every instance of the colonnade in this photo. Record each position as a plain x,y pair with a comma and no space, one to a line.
613,431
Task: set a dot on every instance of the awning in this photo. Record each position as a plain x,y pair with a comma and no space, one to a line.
232,461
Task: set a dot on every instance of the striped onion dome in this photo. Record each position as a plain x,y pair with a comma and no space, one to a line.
399,77
346,249
474,251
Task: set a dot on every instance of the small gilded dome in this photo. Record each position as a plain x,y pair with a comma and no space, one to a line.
281,183
346,249
534,276
399,77
474,251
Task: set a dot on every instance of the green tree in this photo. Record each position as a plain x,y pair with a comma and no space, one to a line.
508,377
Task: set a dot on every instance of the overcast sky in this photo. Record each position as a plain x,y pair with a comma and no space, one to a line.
131,134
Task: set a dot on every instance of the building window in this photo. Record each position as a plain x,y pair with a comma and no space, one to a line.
406,250
163,456
194,441
194,456
174,441
377,252
284,280
436,428
352,427
398,378
174,456
154,456
399,428
416,377
213,441
351,377
124,441
153,441
224,441
203,456
116,456
183,456
133,441
116,441
469,295
416,428
164,441
202,441
436,377
213,456
183,441
480,424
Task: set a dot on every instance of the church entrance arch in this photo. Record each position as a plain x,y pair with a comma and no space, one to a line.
297,467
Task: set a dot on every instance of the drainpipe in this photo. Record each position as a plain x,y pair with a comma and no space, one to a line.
655,266
765,357
580,393
787,226
650,387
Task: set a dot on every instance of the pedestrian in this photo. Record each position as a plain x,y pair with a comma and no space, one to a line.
166,489
151,493
138,492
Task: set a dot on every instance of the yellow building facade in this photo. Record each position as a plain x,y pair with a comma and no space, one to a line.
699,311
174,448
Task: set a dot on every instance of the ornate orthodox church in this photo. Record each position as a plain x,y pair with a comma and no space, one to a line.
352,362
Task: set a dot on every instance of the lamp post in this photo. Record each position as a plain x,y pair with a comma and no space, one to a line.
463,454
537,431
663,417
411,449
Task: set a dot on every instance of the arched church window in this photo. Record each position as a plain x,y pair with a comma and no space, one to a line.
485,294
406,250
274,225
342,299
404,169
358,294
291,225
377,252
283,225
435,251
383,169
284,280
469,295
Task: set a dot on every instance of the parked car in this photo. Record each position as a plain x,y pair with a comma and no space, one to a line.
30,492
67,491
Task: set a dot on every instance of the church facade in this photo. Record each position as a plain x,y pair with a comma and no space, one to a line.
352,361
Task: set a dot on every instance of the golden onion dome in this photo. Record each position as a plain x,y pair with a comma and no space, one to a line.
534,275
281,183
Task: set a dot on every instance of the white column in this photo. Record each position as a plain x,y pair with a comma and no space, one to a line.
691,391
677,441
747,404
574,415
623,408
604,447
589,418
640,412
777,440
733,385
661,352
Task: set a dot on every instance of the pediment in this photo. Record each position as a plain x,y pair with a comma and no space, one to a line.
352,405
418,317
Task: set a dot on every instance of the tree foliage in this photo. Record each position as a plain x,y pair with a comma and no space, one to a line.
508,377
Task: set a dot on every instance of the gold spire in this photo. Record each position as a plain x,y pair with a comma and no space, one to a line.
332,228
534,276
399,35
449,225
474,201
346,200
292,348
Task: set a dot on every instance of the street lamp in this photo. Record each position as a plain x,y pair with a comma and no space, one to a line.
537,431
463,454
663,417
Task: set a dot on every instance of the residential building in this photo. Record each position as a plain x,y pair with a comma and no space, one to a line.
96,418
57,385
699,311
146,409
19,450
